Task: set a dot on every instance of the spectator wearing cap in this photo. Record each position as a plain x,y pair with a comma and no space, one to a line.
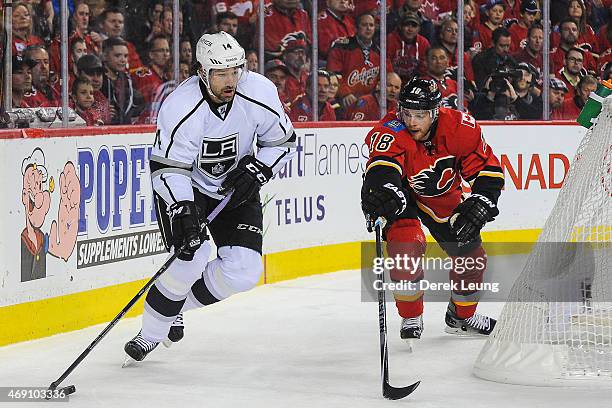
357,60
90,67
489,60
494,19
426,28
111,26
277,72
557,91
117,85
528,94
45,91
447,39
532,53
284,19
302,108
406,48
295,58
367,106
572,70
569,39
519,30
22,28
570,109
22,80
334,22
148,78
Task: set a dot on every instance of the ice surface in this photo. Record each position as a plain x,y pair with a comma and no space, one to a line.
309,342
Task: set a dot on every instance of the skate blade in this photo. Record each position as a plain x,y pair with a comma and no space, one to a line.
128,362
167,343
411,343
460,333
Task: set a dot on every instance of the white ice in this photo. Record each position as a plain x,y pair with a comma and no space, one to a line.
309,342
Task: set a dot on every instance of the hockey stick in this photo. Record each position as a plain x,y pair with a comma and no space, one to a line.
388,390
71,388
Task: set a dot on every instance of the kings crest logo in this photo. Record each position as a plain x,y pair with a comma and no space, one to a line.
436,179
217,156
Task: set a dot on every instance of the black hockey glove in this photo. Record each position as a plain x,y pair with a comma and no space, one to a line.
246,180
470,216
185,227
387,201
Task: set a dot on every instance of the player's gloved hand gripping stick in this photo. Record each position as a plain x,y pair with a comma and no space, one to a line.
185,247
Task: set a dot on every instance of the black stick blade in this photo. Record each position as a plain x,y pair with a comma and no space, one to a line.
393,393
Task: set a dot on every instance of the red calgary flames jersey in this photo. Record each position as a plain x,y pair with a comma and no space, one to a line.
434,171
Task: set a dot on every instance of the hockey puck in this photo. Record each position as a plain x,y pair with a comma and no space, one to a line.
71,389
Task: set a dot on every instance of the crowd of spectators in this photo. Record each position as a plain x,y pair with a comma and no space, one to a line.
120,54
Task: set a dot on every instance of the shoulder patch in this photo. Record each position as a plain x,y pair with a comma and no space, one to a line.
394,125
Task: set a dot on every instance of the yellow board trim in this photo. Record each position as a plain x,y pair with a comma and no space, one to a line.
32,320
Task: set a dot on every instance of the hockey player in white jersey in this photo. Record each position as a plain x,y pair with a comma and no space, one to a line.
204,150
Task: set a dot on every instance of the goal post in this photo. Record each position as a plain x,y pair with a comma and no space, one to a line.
556,327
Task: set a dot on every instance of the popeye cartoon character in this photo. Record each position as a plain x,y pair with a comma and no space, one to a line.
36,199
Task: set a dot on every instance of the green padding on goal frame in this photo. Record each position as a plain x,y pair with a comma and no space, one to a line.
46,317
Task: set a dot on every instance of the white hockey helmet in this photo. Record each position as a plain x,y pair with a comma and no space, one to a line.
218,51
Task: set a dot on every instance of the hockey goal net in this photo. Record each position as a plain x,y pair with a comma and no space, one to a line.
556,328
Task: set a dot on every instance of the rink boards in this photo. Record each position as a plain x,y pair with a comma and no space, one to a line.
74,257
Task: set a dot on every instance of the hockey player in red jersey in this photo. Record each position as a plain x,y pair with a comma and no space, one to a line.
419,156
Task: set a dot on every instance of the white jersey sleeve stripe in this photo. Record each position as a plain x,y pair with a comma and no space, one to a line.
178,125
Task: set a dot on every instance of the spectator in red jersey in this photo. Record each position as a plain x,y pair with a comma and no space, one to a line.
126,101
90,67
295,58
148,79
302,108
437,66
532,53
83,100
111,26
334,22
277,72
447,39
252,60
568,40
572,71
22,28
406,48
284,20
44,91
487,61
520,29
80,24
512,9
185,51
426,28
557,91
494,19
373,7
21,80
570,109
357,60
587,39
367,106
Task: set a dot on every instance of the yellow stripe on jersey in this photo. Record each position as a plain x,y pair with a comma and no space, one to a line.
464,303
384,163
430,212
408,298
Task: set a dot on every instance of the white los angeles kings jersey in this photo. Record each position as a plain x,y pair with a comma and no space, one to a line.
198,141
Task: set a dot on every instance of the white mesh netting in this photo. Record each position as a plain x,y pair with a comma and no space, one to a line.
557,324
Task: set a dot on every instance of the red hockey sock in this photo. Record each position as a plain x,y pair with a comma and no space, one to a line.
464,310
410,309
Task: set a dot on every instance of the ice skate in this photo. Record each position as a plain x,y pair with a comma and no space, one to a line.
476,325
411,330
137,349
176,331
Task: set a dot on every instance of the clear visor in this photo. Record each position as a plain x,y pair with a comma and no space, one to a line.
417,115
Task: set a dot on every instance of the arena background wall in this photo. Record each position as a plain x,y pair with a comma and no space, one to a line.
312,218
